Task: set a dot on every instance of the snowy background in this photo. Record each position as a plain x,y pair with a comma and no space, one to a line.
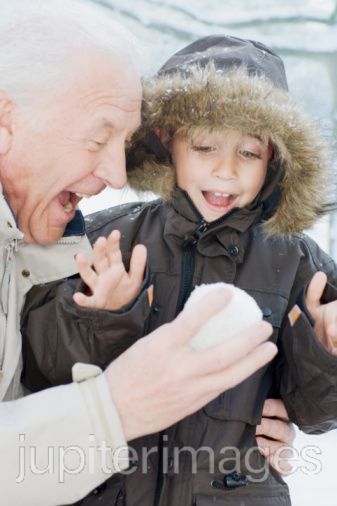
304,32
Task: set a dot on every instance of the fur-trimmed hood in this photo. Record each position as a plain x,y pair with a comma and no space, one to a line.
194,97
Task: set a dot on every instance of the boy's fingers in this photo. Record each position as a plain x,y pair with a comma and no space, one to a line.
269,447
315,291
277,455
113,247
86,272
100,258
235,349
277,430
275,408
137,264
331,333
82,300
97,300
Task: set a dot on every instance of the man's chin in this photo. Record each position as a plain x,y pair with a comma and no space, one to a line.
44,236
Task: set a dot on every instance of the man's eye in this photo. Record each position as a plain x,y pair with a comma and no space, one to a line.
96,145
203,148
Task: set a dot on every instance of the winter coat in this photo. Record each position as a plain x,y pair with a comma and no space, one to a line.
61,416
259,248
184,251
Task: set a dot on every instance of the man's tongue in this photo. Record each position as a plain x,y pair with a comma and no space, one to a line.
68,200
64,198
218,199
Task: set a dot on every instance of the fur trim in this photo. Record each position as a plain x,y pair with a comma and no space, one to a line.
208,100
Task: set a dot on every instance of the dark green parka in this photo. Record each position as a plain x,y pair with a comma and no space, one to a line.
259,248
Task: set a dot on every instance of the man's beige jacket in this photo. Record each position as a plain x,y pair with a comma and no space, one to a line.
57,445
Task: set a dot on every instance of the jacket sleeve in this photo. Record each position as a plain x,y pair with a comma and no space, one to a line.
59,444
307,371
57,333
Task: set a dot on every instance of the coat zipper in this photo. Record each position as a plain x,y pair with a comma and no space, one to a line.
187,273
188,258
188,264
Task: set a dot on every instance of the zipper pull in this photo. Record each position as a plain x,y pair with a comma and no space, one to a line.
196,234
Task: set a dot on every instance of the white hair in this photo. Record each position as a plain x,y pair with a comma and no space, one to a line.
39,38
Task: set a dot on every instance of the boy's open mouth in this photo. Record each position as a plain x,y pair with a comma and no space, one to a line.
220,200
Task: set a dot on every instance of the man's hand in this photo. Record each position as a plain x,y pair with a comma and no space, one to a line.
161,379
112,287
274,433
324,315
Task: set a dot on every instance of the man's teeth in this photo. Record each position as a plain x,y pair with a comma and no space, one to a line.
68,207
82,195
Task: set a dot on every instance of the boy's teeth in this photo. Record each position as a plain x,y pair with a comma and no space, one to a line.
218,194
218,199
68,207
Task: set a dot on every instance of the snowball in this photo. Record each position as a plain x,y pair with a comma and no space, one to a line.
241,312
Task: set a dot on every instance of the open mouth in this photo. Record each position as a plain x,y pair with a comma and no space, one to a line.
222,201
69,200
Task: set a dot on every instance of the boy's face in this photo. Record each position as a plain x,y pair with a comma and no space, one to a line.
220,170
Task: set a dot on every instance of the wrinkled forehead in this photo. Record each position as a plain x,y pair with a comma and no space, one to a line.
91,82
103,88
109,69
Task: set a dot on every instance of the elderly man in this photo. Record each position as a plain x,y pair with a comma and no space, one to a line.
69,100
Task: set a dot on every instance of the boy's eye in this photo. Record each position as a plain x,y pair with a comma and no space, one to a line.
249,154
203,148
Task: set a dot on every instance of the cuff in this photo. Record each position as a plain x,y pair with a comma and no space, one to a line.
107,425
308,348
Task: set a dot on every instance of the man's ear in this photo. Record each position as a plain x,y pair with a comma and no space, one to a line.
165,137
6,108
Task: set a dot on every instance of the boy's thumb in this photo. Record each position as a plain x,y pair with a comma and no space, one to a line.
315,291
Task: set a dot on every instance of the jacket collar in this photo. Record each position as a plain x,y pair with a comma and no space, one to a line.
9,231
238,219
220,236
76,226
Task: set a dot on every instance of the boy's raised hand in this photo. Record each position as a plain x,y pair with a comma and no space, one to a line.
111,286
324,315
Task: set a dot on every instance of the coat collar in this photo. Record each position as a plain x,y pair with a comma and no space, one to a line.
239,219
9,231
221,236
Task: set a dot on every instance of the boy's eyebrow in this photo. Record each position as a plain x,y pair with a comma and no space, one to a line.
258,138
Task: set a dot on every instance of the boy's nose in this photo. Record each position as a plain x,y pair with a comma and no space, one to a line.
225,168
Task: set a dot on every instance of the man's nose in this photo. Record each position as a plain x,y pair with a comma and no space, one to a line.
111,167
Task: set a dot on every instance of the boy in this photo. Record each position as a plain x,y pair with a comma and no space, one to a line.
243,178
